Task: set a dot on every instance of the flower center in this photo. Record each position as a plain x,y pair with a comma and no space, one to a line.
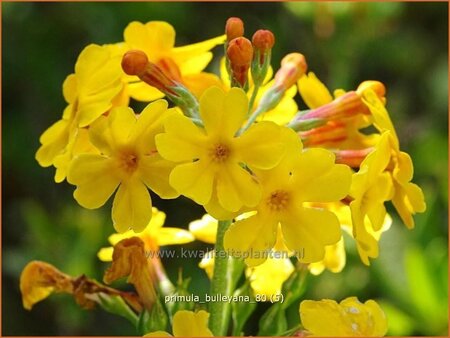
128,162
219,153
278,200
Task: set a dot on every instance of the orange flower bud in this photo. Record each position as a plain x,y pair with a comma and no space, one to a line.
234,28
293,67
240,54
134,62
263,40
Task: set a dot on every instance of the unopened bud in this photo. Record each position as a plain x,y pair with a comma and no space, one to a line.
240,54
134,62
263,40
293,67
234,28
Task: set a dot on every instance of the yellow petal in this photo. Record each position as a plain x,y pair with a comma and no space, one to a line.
257,150
182,141
195,57
95,179
155,38
236,187
142,91
330,182
149,123
403,172
204,229
199,83
366,244
70,90
191,324
308,231
132,207
207,264
109,133
313,91
223,114
268,278
214,208
170,236
251,238
155,171
314,314
105,254
382,121
53,140
334,259
194,180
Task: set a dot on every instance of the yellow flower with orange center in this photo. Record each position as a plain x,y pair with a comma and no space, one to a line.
213,164
302,177
128,161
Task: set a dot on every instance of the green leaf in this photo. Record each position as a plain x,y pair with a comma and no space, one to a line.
154,320
273,322
116,305
241,311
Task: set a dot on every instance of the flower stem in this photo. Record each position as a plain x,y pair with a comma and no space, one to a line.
221,284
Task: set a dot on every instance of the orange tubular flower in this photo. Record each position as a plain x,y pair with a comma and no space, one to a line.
293,66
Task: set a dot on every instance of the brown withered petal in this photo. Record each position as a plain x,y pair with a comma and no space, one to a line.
39,280
129,259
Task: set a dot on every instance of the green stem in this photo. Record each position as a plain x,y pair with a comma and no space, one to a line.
253,98
221,284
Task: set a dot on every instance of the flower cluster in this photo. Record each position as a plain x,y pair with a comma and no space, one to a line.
272,179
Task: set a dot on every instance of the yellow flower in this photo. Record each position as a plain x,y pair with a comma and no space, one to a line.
371,187
266,278
154,236
302,176
209,169
129,161
183,64
408,198
89,92
187,324
285,109
365,236
333,260
349,318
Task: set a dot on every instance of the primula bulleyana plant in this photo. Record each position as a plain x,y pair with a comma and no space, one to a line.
279,186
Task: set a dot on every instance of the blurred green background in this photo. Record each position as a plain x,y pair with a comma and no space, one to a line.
404,45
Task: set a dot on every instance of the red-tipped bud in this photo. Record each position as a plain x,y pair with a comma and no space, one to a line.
376,86
240,55
293,67
234,28
134,62
263,40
